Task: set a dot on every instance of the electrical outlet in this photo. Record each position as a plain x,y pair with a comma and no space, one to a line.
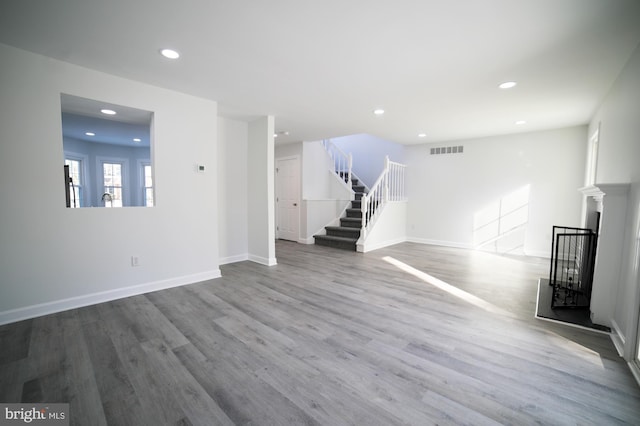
135,261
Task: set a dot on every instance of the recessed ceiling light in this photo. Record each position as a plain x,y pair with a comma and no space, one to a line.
89,133
521,122
170,53
137,140
275,135
378,111
508,85
108,111
422,135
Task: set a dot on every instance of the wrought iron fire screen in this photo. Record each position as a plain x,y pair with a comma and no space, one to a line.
573,253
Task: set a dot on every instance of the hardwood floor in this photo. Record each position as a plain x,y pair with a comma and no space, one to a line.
326,337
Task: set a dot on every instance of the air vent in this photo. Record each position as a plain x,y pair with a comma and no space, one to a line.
447,150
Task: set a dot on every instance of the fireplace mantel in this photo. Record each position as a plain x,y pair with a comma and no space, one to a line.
610,199
599,190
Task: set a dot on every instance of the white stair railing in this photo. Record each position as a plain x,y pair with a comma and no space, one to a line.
342,163
388,187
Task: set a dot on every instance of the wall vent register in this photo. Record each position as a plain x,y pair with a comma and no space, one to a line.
447,150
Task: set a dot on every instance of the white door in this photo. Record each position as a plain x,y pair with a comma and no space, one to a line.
288,198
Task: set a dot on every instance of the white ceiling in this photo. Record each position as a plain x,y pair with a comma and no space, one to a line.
322,67
80,115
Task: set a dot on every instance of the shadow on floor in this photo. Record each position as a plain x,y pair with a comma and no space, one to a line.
575,316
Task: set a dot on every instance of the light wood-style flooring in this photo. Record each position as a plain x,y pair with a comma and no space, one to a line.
326,337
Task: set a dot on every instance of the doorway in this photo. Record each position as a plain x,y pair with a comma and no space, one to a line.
288,198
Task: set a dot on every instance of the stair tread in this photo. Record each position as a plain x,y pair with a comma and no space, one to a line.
334,238
342,228
343,231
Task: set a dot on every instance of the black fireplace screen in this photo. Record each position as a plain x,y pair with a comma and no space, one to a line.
573,255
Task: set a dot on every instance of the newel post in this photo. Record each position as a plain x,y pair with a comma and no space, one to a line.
364,208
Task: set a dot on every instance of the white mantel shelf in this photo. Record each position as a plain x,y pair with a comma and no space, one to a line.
601,189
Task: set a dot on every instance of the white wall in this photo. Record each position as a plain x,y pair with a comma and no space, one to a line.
53,258
618,118
233,234
368,154
390,227
261,192
324,195
317,176
288,150
618,162
445,191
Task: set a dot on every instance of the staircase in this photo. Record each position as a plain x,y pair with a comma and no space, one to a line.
347,234
366,205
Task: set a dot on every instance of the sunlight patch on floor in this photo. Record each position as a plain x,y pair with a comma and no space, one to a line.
454,291
576,349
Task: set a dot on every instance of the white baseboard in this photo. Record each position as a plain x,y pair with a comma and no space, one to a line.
301,240
365,248
468,246
635,370
617,337
53,307
263,260
233,259
439,243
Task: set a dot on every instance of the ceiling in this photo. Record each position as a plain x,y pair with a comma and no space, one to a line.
322,67
81,116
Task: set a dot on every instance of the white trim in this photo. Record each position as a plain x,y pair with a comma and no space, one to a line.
34,311
635,370
140,165
599,190
428,241
365,248
469,246
592,157
295,157
328,199
233,259
568,324
617,337
263,260
84,166
124,162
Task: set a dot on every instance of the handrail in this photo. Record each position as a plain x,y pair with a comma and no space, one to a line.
342,163
388,187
